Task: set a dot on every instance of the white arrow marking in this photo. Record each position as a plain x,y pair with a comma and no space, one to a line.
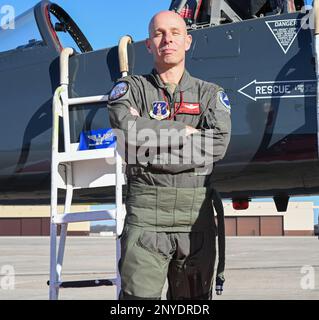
274,83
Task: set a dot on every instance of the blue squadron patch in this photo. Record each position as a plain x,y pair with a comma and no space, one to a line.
160,110
118,91
224,99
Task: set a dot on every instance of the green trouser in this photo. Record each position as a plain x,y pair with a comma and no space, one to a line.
169,233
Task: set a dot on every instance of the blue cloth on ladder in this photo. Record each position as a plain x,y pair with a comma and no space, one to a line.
97,139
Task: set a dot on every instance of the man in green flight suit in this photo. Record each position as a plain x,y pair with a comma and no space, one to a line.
168,119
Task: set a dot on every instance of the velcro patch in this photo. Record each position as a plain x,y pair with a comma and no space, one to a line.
187,108
224,99
160,110
119,90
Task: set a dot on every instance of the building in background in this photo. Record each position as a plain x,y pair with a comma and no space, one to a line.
35,221
260,219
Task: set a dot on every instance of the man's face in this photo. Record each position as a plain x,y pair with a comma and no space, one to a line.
168,40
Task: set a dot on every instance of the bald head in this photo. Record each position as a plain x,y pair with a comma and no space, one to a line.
166,16
168,41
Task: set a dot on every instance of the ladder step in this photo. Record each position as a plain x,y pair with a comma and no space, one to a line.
84,216
106,153
85,283
87,100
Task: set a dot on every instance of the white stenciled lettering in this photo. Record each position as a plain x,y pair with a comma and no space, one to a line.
285,31
258,90
285,23
281,89
287,89
273,89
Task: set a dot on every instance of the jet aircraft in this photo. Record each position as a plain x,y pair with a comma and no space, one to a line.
261,54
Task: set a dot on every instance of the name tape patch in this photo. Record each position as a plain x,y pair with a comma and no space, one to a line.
187,108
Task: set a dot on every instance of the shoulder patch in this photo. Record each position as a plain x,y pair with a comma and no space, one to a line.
119,90
223,98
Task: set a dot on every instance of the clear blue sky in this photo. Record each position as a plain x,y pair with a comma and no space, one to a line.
104,22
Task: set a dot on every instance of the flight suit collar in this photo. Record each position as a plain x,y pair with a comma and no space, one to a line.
184,84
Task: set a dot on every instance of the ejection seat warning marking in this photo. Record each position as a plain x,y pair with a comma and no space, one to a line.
285,31
256,90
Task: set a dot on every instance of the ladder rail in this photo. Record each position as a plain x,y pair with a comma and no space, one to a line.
119,219
64,80
92,99
64,227
65,179
53,291
124,69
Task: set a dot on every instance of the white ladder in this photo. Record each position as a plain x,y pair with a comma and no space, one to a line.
73,169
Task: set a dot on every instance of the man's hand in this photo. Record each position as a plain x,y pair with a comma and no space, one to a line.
190,130
134,112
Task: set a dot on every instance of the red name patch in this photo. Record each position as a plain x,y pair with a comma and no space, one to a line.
187,108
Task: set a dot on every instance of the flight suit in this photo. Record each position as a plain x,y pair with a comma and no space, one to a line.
169,228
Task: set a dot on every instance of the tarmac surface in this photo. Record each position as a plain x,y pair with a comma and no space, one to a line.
257,268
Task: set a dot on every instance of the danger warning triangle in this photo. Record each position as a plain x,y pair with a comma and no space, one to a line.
285,31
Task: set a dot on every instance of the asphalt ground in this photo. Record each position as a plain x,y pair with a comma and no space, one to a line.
257,268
